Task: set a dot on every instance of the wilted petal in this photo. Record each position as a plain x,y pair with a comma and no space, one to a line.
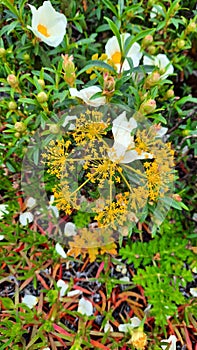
26,218
47,24
60,250
63,287
172,340
30,300
85,307
86,94
70,229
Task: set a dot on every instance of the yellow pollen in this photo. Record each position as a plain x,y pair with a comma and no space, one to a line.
116,57
43,30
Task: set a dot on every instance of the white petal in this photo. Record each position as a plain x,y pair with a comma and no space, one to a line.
31,202
67,121
70,229
193,292
85,307
54,210
86,93
154,12
172,339
63,287
1,237
108,328
46,349
135,322
132,155
3,210
121,130
124,279
26,218
30,300
60,250
162,62
112,46
135,54
125,328
72,293
161,132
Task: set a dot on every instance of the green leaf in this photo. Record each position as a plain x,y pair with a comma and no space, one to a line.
96,64
131,40
7,303
115,30
11,7
111,7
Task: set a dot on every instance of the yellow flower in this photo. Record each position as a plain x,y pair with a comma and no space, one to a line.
47,24
138,339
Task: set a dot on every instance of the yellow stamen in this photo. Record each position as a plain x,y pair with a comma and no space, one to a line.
43,30
116,57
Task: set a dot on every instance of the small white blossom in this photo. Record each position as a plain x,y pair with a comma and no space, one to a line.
85,307
72,293
1,237
172,340
26,218
47,24
193,291
31,202
112,50
53,207
60,250
70,229
3,210
86,94
126,327
162,62
108,327
63,287
30,300
155,11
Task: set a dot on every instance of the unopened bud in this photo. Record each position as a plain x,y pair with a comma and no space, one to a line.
148,39
169,94
109,84
2,52
42,83
26,57
180,43
54,129
42,97
191,27
12,105
147,107
177,197
12,80
69,69
17,134
152,79
138,339
151,49
20,127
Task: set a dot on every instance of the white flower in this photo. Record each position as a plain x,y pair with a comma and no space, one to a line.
108,327
124,279
63,287
30,300
60,250
123,141
162,62
53,207
26,218
85,307
70,229
31,202
72,293
1,237
193,292
87,93
155,11
112,50
48,24
126,327
3,210
172,340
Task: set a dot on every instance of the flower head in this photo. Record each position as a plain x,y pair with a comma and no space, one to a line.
47,24
30,300
85,307
87,93
127,327
26,218
162,62
112,50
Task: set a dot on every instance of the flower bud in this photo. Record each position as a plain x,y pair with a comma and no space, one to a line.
20,127
147,106
26,57
139,339
180,43
177,197
2,52
109,84
152,80
151,49
147,40
17,134
191,27
12,80
169,94
12,105
54,129
69,69
42,97
42,83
